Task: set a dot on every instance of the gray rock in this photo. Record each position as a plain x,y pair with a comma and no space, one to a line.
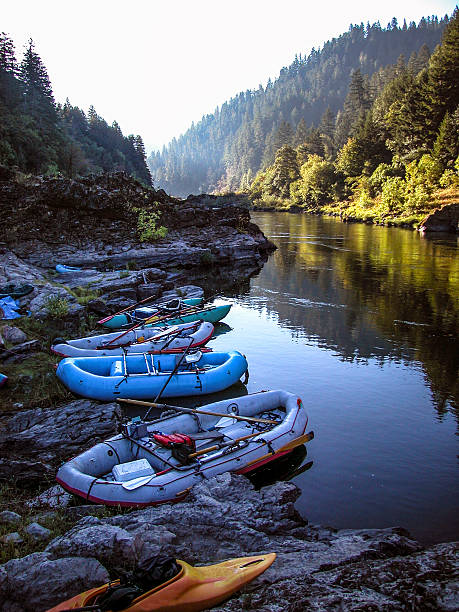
38,532
147,290
7,517
34,442
13,335
15,270
185,291
37,582
316,568
107,543
41,306
12,538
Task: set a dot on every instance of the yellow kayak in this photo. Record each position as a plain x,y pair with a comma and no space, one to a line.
192,589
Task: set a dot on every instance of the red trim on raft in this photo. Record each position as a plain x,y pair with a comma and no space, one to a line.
166,352
180,350
254,466
99,500
57,352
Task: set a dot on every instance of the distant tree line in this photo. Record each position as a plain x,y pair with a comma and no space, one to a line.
307,103
394,143
42,137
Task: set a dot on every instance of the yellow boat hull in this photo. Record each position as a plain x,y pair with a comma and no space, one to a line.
192,589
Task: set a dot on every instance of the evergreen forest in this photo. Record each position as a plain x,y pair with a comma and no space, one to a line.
39,136
334,116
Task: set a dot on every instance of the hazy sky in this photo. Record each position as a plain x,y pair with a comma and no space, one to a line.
157,65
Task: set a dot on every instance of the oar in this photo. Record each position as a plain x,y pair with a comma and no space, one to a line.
135,483
148,299
194,411
83,609
177,365
296,442
149,320
287,447
217,446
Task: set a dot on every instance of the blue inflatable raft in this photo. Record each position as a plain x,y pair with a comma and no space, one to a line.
142,376
62,269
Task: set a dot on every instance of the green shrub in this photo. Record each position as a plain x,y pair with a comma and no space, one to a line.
393,194
124,273
146,225
57,307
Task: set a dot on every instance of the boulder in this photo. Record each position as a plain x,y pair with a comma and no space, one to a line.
11,538
38,532
90,538
54,497
34,442
13,335
54,302
147,290
7,517
444,219
185,291
316,568
37,582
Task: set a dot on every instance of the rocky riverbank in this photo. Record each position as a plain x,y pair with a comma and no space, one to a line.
317,568
108,226
58,546
53,546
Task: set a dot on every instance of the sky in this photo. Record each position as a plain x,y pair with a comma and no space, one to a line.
157,65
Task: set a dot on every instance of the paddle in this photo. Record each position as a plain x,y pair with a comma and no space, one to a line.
135,483
296,442
194,411
287,447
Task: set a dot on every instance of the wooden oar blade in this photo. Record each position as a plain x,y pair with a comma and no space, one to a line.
297,442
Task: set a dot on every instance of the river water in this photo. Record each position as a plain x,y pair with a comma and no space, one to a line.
361,322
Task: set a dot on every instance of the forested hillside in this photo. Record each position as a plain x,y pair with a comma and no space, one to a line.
391,156
226,149
42,137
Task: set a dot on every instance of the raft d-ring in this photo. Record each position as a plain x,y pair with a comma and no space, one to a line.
299,402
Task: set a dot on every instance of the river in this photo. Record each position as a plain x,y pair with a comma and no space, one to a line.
361,322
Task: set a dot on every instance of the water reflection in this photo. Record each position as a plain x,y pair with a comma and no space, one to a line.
284,468
366,292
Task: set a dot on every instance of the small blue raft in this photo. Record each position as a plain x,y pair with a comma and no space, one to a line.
142,376
3,379
62,269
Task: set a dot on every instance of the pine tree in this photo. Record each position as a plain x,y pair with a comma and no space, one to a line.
327,131
446,147
444,72
284,135
301,133
315,143
285,171
8,62
38,94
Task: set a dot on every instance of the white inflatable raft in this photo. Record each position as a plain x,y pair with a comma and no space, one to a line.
133,469
172,339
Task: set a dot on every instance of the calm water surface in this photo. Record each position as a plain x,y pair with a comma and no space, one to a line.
361,322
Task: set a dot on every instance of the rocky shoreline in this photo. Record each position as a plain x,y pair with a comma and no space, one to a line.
55,547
